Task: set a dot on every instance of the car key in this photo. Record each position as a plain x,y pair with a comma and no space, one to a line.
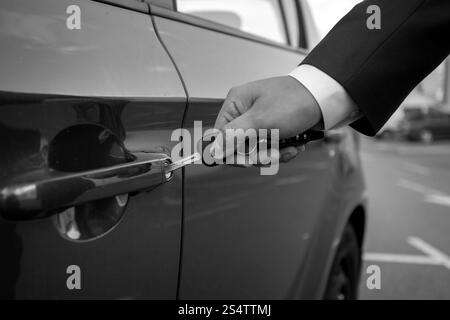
301,139
296,141
181,163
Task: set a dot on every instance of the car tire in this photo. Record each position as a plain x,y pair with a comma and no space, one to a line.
426,136
343,280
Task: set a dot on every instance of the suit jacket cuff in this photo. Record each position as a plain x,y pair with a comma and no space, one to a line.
336,105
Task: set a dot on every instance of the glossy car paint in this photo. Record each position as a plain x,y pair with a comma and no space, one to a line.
247,235
112,74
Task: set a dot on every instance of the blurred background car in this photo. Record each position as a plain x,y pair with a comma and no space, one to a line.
397,127
425,124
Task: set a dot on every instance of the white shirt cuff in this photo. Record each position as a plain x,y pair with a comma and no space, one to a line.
337,107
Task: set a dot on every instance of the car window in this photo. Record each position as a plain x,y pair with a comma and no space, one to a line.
258,17
291,11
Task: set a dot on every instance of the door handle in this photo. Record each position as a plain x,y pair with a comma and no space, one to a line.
44,192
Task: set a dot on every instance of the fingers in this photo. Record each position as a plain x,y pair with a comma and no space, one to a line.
238,101
287,154
235,116
276,103
233,137
267,159
226,114
256,159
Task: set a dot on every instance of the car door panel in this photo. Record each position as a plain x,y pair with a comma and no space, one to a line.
111,77
245,235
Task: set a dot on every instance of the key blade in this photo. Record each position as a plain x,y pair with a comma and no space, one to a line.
183,162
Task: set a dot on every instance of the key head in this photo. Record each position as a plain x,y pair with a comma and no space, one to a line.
296,141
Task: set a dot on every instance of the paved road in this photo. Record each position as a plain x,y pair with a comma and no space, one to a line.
408,234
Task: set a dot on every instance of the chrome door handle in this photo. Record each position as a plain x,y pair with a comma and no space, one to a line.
44,192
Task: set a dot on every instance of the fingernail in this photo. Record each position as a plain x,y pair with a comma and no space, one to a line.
287,156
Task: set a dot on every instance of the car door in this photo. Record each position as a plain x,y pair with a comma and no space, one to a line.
88,101
244,235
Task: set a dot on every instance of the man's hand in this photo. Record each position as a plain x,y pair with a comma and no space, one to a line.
276,103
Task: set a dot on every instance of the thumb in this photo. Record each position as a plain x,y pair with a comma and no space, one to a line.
224,145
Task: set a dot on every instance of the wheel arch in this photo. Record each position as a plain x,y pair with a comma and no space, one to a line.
357,220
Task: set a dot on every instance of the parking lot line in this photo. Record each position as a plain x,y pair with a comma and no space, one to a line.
417,187
400,258
432,256
430,195
443,200
430,251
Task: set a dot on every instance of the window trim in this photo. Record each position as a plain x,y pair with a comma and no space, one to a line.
127,4
299,24
285,23
303,39
217,27
168,4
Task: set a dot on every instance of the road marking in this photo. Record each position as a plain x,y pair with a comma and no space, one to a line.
443,200
417,187
430,195
430,151
430,251
399,258
433,256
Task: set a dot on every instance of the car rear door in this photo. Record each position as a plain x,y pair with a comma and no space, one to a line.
244,235
88,101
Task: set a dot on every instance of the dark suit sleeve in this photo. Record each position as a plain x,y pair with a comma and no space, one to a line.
379,68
